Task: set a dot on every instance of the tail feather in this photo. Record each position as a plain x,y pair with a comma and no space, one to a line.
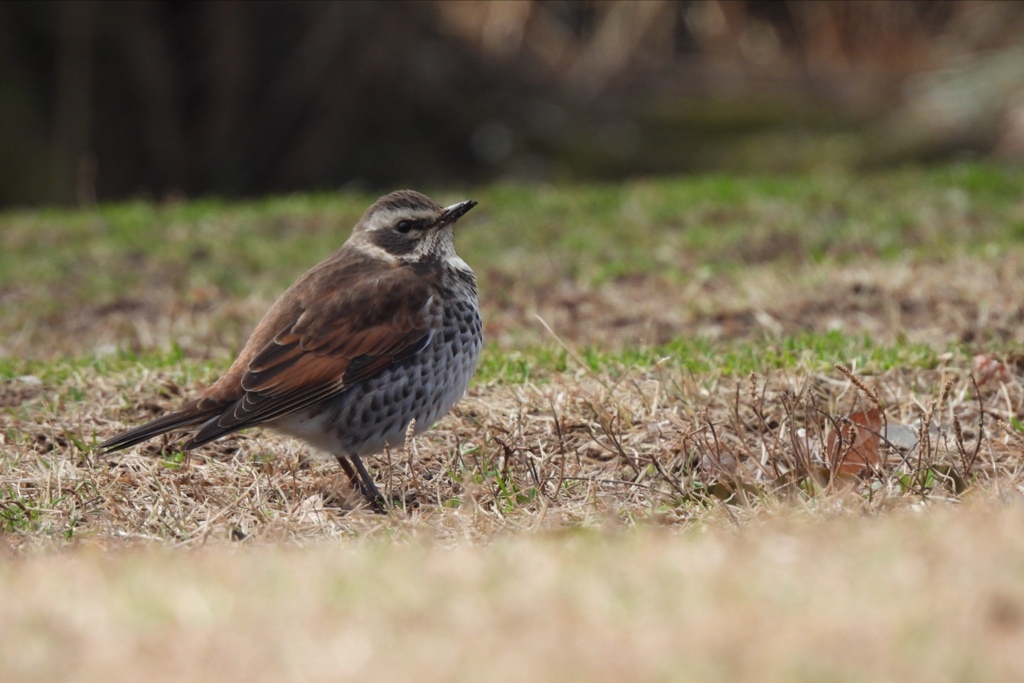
179,420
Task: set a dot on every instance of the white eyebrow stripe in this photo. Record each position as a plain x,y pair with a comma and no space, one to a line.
373,251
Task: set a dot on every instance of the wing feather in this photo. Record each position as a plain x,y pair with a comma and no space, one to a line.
341,323
325,346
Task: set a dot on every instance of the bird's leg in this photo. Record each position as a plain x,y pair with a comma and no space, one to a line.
361,479
368,488
346,465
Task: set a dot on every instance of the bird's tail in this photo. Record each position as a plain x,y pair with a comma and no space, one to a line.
184,419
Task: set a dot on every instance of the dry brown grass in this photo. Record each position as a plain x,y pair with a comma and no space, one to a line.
567,449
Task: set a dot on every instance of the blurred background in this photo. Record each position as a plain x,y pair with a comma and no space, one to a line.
161,100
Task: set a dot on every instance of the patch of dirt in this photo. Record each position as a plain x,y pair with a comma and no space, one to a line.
19,391
964,300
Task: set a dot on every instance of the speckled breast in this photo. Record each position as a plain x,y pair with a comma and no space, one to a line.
424,387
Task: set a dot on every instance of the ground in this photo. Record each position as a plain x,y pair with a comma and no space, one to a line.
724,429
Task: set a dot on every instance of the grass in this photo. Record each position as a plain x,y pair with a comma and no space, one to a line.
61,271
811,351
756,428
809,596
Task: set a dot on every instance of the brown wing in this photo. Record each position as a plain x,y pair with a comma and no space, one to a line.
344,321
340,328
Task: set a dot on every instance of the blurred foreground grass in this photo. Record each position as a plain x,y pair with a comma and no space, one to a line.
805,596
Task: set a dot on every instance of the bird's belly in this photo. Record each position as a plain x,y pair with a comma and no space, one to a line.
377,411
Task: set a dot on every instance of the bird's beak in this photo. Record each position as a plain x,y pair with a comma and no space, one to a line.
454,212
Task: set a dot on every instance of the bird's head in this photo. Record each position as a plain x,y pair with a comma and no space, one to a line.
408,226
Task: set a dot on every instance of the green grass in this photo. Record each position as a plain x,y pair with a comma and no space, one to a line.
813,352
65,369
144,259
668,225
807,351
595,232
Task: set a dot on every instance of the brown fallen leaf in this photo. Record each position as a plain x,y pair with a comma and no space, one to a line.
990,369
858,448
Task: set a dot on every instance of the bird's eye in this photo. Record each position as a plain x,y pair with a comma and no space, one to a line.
403,226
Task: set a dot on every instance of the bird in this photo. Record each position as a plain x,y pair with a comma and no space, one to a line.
384,332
